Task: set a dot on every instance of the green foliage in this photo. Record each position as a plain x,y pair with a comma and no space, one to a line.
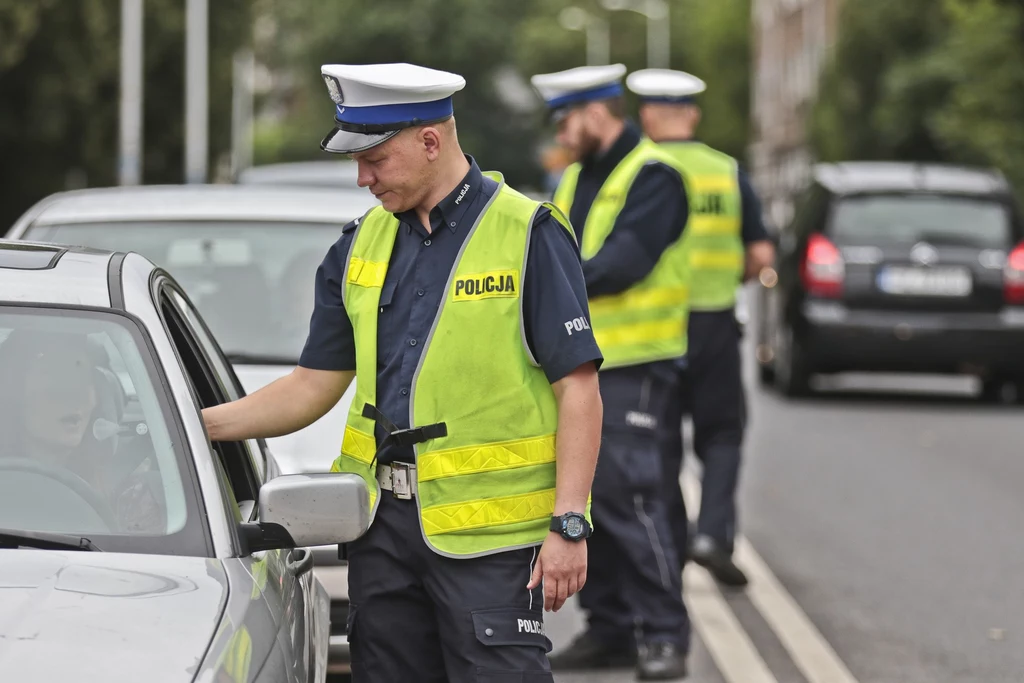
59,93
485,39
926,81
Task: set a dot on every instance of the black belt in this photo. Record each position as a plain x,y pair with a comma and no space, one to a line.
401,437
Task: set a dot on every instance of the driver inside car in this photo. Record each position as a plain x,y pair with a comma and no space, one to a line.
59,423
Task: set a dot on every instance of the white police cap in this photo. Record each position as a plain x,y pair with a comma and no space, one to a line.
665,85
583,84
373,102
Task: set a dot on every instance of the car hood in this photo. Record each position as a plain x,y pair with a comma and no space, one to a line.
110,617
312,449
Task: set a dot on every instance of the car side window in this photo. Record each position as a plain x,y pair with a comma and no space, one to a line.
234,456
220,365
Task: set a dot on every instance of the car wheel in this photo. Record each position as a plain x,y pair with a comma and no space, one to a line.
792,373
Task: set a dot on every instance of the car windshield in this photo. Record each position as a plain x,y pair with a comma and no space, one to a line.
252,282
909,219
87,445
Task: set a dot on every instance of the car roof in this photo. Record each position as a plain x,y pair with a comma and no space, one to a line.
303,173
852,177
40,273
198,202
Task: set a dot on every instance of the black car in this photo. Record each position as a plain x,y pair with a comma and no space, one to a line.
897,267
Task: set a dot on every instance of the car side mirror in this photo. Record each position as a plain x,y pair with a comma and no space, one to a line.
301,510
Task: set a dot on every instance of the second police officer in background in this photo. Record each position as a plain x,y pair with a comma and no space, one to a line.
628,206
727,244
476,416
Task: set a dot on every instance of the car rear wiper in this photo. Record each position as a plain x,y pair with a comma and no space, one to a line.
240,358
45,540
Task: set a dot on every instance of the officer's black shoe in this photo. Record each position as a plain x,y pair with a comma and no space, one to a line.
586,652
707,553
661,662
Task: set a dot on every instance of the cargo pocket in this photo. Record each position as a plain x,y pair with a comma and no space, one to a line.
522,632
350,629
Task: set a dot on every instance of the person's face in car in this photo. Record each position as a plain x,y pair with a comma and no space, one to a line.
60,397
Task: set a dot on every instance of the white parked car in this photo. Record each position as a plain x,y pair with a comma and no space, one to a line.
247,256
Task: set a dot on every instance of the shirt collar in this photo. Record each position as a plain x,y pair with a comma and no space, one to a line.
450,210
606,163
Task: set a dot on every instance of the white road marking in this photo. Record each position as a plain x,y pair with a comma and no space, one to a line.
735,656
811,653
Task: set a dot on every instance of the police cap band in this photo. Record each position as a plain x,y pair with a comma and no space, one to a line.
562,90
373,102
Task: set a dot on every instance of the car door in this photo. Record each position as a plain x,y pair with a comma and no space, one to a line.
283,576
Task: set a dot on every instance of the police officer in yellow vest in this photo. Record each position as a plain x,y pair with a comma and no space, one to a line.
627,204
727,244
459,308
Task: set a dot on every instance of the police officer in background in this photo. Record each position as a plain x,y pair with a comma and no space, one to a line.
628,206
728,244
460,309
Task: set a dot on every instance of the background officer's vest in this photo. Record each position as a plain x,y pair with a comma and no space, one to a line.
717,255
647,322
490,484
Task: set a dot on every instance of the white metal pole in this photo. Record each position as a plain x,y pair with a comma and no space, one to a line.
196,90
598,42
242,112
129,163
658,36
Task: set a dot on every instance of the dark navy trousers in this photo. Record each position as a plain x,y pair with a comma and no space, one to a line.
711,391
634,581
417,616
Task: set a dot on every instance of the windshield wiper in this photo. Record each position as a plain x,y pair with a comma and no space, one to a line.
44,540
241,358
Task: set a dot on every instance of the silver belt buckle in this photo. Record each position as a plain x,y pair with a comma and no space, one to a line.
401,480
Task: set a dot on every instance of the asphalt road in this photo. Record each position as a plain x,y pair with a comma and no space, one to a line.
889,514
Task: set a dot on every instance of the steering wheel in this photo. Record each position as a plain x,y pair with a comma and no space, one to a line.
69,479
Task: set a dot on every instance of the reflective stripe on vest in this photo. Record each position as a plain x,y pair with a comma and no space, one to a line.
489,485
647,322
717,255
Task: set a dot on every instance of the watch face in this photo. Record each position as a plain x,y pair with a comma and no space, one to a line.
574,527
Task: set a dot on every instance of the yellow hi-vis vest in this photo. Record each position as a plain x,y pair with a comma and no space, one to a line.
717,255
489,484
647,322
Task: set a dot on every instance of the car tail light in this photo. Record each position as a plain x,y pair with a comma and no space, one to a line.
1013,276
822,269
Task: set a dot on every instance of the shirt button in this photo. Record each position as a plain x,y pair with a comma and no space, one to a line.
489,632
427,243
412,342
452,224
420,292
405,392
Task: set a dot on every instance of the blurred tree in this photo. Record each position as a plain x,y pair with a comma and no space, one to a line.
59,91
496,45
926,81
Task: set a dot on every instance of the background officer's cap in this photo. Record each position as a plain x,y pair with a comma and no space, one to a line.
665,85
373,102
563,90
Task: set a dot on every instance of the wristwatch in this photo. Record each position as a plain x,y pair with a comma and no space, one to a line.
573,526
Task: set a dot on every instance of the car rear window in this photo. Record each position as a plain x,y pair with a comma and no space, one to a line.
909,218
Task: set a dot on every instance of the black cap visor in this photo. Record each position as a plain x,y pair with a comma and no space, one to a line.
340,141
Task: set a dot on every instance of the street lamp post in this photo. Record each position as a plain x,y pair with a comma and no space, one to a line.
658,37
129,164
598,42
196,89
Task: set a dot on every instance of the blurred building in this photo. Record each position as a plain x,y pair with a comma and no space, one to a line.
790,43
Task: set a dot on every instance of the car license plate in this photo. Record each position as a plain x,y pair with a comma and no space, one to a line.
925,281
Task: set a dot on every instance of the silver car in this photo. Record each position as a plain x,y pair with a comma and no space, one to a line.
338,174
247,256
131,548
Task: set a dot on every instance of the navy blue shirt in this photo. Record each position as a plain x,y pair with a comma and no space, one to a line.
752,227
651,219
553,294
